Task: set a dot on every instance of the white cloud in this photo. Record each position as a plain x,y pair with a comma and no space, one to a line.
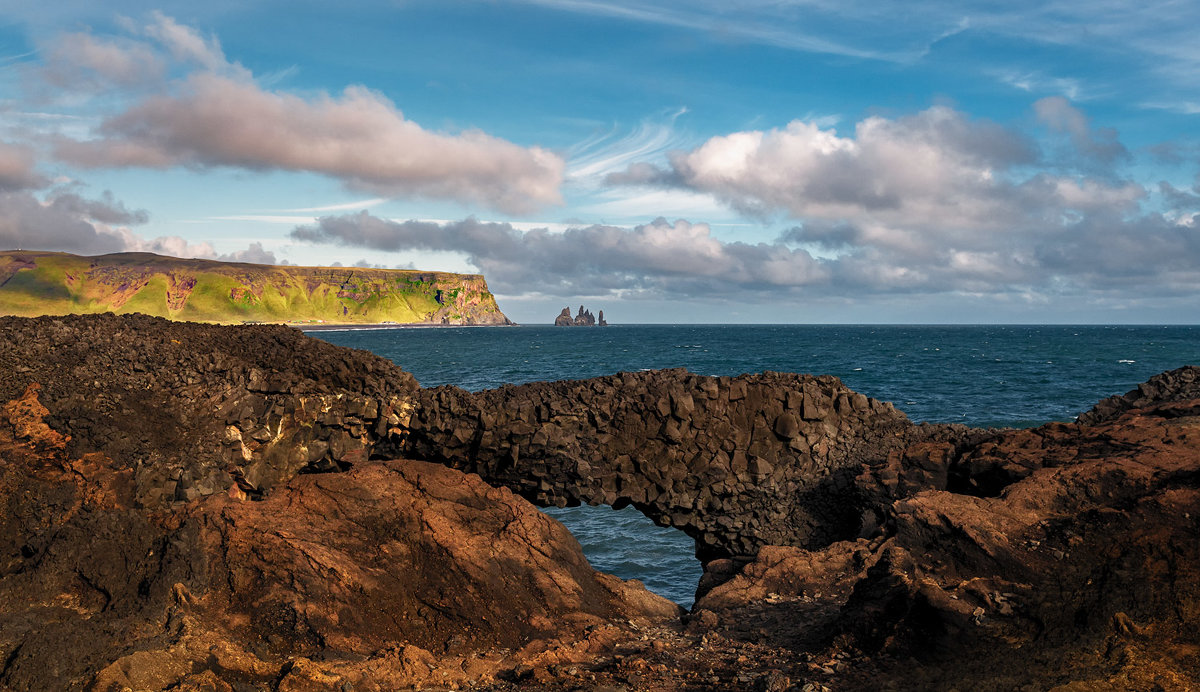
661,258
185,43
216,115
83,61
1099,143
343,206
590,161
17,164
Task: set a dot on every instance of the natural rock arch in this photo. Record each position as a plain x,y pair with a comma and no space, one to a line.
735,462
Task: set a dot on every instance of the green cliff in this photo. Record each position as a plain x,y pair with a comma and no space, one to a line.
56,283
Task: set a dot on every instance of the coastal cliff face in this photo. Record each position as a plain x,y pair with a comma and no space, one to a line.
194,507
55,283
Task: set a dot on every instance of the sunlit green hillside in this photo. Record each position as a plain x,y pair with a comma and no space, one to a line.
55,283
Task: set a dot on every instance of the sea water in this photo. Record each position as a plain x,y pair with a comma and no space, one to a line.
984,376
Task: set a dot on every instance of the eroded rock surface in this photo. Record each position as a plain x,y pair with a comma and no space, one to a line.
736,462
1067,555
159,530
389,575
192,409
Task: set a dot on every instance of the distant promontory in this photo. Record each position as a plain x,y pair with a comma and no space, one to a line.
196,290
585,318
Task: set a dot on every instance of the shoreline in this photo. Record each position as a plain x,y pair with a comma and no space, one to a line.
358,326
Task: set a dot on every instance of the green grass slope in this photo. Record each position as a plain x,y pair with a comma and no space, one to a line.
56,283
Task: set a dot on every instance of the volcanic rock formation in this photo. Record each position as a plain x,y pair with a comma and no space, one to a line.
193,507
371,572
736,462
1067,555
585,318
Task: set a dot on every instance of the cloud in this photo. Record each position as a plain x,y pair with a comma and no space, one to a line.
17,168
658,258
359,137
212,113
26,223
185,43
67,222
106,210
932,203
254,254
82,61
936,168
1181,199
1036,81
1100,144
590,161
1094,254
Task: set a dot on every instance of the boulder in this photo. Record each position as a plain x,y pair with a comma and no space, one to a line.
391,574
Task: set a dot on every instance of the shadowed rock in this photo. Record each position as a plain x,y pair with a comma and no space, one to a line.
736,462
843,545
1063,554
392,575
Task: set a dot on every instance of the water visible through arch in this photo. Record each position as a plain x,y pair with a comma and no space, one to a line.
627,544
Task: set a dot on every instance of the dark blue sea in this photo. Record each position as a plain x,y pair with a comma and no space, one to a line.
1002,376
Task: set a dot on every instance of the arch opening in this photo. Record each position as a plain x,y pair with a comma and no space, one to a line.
628,544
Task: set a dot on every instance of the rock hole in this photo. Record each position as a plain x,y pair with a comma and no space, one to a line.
627,544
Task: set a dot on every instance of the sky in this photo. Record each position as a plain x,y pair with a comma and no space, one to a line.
779,161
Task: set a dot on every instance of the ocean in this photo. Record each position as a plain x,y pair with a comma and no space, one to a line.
984,376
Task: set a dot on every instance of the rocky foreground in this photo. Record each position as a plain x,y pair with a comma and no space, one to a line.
189,507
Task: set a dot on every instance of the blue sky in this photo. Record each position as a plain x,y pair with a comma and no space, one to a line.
664,161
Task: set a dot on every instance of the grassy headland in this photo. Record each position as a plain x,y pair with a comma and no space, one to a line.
57,283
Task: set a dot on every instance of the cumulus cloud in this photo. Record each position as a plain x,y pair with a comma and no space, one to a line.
254,254
1100,144
82,61
1180,200
106,210
683,260
27,223
939,202
65,221
931,203
359,137
933,168
17,165
660,258
213,113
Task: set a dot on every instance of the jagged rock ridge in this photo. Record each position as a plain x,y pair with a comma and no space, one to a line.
584,318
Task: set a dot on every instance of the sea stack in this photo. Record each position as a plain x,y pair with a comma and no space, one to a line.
584,318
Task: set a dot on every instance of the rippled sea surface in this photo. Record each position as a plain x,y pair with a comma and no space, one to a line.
1013,376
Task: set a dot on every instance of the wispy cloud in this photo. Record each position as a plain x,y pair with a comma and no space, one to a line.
1153,39
742,25
1184,107
343,206
597,156
1037,82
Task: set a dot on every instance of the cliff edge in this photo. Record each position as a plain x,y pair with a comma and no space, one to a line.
195,290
